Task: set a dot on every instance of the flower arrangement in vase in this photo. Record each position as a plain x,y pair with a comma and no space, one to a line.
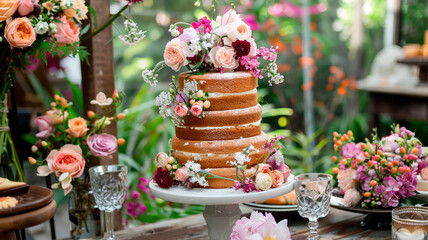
381,173
67,142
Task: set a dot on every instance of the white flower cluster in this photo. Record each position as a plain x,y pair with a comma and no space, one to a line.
164,102
150,77
67,4
275,77
242,157
173,30
190,88
193,170
42,27
164,98
133,34
207,41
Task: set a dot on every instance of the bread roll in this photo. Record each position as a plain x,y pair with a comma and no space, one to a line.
412,50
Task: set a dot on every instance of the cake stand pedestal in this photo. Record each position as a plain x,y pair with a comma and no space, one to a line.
221,205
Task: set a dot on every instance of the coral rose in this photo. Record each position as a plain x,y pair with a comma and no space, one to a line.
25,8
346,178
20,33
352,198
277,178
77,127
56,116
174,55
263,168
196,109
45,127
224,57
67,31
102,145
8,8
68,159
181,110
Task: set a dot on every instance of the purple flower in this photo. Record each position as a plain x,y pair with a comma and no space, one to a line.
102,145
130,209
44,125
141,208
181,97
144,180
408,187
143,188
135,194
391,185
404,130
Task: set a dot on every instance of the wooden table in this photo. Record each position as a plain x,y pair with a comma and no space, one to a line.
337,225
400,103
10,224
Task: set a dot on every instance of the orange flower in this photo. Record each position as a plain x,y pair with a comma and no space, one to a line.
77,127
341,91
284,68
8,8
340,73
305,61
297,48
313,26
277,42
333,69
317,54
20,33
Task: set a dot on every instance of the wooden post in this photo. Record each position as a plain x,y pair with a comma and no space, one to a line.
98,76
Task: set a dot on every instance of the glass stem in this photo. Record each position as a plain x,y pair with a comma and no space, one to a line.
109,221
313,226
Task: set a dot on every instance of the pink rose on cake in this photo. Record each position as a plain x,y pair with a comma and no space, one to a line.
181,175
238,30
181,110
224,58
174,55
196,109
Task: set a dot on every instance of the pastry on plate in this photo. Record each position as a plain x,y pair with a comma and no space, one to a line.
8,202
286,199
7,184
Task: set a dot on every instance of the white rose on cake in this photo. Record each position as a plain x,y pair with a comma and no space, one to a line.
238,30
263,181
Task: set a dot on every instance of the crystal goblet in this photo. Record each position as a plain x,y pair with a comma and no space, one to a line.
313,193
109,184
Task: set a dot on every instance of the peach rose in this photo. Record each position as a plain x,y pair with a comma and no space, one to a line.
277,178
223,57
174,55
424,173
77,127
68,159
68,31
8,8
20,33
346,178
56,116
352,198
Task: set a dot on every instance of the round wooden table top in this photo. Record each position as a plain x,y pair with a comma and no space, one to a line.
27,219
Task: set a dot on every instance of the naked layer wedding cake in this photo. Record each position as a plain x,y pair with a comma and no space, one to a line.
218,141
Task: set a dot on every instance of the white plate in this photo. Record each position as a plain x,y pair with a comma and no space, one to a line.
220,196
272,207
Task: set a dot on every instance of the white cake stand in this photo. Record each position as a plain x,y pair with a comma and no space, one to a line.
222,209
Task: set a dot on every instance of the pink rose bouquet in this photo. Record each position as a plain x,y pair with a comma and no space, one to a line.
66,144
380,173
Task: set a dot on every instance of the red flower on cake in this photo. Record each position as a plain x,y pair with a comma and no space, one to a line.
242,48
163,178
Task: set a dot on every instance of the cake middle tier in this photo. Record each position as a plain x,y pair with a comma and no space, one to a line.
222,125
217,153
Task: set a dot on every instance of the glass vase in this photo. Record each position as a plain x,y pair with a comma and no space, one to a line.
84,218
